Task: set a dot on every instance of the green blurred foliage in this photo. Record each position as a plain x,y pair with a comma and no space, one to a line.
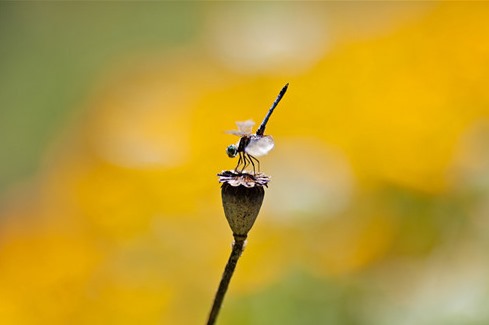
50,54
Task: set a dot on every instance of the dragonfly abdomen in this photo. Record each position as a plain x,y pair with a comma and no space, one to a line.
243,143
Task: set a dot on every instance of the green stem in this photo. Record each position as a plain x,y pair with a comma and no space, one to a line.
238,246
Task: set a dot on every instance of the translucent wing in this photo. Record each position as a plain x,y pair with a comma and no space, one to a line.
259,146
244,128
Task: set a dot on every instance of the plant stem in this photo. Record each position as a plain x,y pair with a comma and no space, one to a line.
238,246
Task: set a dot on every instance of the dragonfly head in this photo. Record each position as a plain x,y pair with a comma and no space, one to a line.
232,150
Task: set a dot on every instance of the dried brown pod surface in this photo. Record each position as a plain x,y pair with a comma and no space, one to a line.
241,206
242,196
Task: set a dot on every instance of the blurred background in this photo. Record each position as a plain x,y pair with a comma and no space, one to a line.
112,131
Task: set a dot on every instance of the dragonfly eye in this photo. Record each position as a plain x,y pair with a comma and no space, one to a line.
232,150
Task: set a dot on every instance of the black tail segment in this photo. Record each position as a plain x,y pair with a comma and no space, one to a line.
261,129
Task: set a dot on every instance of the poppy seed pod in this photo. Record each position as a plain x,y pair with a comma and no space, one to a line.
242,196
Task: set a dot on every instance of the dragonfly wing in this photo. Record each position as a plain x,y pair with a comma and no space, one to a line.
245,127
259,146
237,132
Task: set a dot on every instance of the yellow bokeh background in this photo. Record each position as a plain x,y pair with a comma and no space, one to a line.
377,210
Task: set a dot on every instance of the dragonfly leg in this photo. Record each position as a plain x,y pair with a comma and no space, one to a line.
239,162
250,158
245,161
254,158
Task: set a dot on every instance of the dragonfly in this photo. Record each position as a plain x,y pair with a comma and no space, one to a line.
252,145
